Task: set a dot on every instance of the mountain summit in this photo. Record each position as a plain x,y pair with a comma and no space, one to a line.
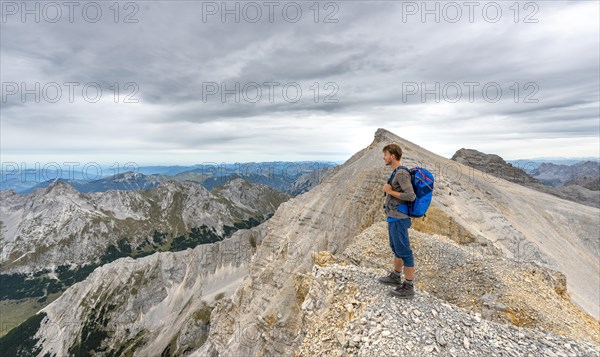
498,217
500,270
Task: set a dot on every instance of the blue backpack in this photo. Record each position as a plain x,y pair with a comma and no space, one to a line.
422,182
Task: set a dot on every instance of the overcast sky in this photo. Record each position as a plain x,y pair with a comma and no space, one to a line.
371,62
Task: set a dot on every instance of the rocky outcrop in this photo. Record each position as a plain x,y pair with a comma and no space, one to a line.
577,183
493,165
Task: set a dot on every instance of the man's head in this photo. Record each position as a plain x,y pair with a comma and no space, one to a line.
391,153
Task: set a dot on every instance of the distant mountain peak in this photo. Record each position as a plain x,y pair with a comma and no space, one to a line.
128,176
463,155
236,181
492,164
60,186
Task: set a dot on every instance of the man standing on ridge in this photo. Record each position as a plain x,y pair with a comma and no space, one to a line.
398,190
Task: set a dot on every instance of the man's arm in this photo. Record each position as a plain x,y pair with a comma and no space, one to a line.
405,182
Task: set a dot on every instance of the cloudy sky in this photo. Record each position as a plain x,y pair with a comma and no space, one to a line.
186,82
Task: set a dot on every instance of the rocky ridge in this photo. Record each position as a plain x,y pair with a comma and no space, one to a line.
492,164
578,183
348,201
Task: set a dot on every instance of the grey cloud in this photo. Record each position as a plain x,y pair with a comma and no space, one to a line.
368,54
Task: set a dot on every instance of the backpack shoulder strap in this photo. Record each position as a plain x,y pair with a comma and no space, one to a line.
405,168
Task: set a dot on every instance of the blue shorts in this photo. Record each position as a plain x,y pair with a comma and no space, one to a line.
398,232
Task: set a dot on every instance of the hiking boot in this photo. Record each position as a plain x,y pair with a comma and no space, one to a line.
392,278
403,291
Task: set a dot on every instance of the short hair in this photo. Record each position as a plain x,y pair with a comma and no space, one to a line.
393,149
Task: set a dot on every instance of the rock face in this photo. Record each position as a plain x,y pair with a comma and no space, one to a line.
60,226
578,183
149,304
492,165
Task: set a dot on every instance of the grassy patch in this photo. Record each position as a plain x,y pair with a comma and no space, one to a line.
203,314
20,341
15,312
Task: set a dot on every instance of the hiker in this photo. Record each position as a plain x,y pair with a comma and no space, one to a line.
398,190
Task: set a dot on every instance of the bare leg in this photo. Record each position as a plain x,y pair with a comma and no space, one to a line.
398,263
409,273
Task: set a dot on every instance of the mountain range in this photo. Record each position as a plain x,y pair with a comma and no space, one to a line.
281,175
501,269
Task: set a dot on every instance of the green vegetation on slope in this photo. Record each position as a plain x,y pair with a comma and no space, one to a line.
20,341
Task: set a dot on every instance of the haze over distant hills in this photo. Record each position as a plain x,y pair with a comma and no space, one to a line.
280,175
552,160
